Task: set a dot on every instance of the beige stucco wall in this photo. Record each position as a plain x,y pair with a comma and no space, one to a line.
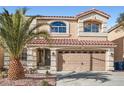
117,36
119,50
76,26
116,33
95,17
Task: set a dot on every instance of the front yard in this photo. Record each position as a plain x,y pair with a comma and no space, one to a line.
69,79
31,80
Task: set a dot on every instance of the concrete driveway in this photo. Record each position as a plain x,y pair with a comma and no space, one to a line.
90,79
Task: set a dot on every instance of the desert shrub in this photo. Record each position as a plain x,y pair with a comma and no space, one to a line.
45,83
4,74
1,75
32,70
48,73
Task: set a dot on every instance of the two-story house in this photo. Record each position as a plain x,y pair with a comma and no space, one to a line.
77,43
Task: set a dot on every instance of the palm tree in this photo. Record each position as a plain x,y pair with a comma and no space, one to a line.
15,33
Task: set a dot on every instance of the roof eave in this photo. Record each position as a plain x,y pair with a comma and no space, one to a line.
57,17
93,11
113,28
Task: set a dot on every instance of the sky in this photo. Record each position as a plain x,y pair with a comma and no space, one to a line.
114,11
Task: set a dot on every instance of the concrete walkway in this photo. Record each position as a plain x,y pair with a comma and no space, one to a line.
90,79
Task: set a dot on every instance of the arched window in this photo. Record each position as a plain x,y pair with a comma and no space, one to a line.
91,26
58,27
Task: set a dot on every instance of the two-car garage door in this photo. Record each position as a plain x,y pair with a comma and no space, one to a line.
81,61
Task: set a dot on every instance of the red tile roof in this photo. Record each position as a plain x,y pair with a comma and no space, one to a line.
57,17
60,16
70,42
75,17
93,10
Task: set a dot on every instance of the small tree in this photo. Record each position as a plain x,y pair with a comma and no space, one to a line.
120,19
15,33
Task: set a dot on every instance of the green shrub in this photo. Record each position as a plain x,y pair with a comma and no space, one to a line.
4,74
32,70
45,83
48,73
1,76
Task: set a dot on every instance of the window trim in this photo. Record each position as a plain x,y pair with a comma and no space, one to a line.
91,26
58,27
59,33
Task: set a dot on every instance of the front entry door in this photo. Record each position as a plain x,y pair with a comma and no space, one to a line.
43,58
40,57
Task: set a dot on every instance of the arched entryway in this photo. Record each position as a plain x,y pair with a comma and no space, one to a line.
43,58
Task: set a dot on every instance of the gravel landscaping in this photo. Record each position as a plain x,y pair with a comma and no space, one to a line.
31,80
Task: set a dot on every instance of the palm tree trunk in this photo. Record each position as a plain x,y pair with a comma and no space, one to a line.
16,70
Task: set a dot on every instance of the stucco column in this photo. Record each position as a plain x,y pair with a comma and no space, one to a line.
31,58
104,27
53,67
110,59
80,27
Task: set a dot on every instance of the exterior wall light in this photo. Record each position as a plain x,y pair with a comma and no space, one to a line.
112,54
53,54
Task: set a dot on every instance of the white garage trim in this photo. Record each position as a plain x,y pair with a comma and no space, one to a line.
110,59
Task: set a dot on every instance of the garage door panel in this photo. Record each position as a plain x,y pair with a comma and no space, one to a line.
74,62
98,61
76,67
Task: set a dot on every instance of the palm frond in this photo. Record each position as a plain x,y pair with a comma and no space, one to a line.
15,30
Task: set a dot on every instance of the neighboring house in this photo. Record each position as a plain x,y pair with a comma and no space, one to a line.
116,35
77,43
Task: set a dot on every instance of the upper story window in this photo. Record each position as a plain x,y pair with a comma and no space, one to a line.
58,27
91,26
